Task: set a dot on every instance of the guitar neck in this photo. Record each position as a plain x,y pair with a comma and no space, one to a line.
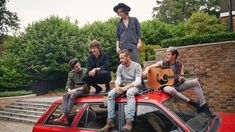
186,75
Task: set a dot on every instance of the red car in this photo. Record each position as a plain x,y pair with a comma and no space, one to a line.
156,111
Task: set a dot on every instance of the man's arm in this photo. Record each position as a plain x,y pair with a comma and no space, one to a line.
89,64
118,77
117,38
106,63
69,84
138,33
158,64
117,47
181,76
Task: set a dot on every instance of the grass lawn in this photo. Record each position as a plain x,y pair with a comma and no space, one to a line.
14,93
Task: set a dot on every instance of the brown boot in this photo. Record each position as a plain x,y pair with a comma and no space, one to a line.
109,124
128,126
62,120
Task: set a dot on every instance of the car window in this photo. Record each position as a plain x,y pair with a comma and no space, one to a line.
182,109
58,112
94,117
150,118
187,114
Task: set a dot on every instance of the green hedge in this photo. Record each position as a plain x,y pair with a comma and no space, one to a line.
191,40
15,93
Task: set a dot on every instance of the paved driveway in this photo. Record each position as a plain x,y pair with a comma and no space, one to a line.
10,126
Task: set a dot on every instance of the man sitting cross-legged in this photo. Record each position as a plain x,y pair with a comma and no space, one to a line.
128,79
75,88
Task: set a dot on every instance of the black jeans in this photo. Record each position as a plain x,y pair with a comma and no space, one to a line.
102,77
69,101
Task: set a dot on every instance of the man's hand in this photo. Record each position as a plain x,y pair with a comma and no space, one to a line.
119,90
92,72
181,78
139,45
145,73
118,50
69,91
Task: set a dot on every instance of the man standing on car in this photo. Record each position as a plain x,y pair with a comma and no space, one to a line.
128,79
128,33
75,88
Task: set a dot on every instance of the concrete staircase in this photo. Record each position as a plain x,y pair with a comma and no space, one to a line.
27,111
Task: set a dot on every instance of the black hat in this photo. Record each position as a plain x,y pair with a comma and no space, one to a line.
121,5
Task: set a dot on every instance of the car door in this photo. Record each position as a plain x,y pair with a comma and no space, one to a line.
150,118
93,118
49,126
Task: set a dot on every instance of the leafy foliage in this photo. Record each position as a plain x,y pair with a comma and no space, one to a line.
177,11
198,39
105,33
8,20
154,31
203,23
42,52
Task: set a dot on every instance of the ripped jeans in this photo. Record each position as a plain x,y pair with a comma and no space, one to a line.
131,103
175,91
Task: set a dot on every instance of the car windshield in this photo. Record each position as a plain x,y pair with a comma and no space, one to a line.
187,113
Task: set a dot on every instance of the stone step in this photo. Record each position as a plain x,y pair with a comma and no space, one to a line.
18,119
31,112
27,108
31,104
35,102
19,115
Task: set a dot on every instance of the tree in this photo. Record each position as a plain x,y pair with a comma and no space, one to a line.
105,33
177,11
154,31
8,20
203,23
42,52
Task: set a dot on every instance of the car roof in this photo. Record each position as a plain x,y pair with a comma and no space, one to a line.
149,96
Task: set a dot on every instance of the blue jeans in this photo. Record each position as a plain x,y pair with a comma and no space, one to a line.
134,55
131,103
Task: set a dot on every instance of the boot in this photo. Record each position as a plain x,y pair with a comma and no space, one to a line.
128,126
107,86
62,120
109,124
98,89
205,109
193,103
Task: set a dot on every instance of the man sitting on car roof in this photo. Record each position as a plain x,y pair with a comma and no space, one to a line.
75,88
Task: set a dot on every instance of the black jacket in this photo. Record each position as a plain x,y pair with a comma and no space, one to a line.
101,62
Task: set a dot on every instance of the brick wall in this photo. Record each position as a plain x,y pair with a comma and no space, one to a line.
225,21
218,61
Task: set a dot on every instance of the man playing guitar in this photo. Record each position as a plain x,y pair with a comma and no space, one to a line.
180,84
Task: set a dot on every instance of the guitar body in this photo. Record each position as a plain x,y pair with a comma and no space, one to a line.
158,77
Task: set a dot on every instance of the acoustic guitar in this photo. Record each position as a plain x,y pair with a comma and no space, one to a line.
158,77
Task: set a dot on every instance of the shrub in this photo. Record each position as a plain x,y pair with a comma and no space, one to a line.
105,33
203,23
42,52
200,39
147,52
154,31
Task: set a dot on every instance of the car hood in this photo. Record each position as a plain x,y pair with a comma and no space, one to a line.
227,122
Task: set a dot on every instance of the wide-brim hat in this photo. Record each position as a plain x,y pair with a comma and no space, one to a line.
121,5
